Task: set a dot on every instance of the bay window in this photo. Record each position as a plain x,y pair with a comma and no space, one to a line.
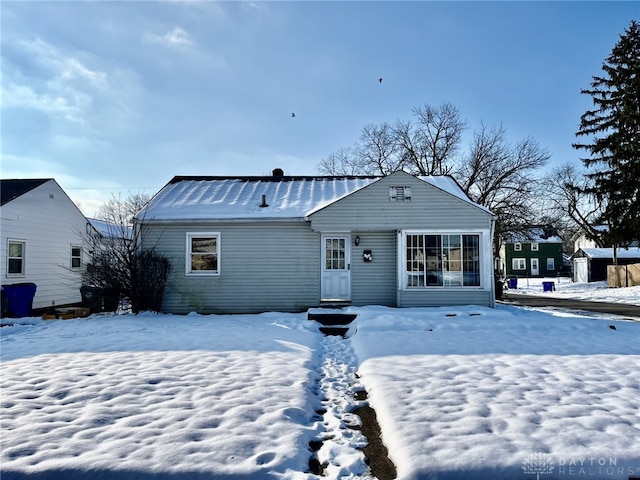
442,260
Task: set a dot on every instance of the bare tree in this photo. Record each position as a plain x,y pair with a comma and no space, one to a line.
343,161
565,190
118,268
429,145
424,147
500,175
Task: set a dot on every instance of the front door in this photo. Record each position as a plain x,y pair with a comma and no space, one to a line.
535,266
336,267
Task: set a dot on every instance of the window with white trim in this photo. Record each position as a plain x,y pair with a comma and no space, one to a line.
551,263
519,264
534,247
76,257
203,252
15,257
517,247
442,260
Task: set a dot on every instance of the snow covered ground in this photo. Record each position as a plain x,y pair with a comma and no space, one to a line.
566,288
466,392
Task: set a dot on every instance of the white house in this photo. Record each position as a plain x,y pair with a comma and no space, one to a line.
42,240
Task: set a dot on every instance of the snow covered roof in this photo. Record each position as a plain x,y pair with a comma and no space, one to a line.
111,230
277,197
541,234
631,252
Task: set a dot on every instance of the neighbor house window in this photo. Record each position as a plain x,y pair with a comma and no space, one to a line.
517,247
551,263
203,252
519,264
399,194
442,260
15,257
76,257
534,247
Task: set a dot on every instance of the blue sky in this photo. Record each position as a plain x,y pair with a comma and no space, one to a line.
116,97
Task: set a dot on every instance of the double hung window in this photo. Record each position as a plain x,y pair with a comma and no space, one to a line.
203,252
15,257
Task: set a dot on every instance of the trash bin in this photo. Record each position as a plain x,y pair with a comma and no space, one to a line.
548,286
100,299
18,299
513,283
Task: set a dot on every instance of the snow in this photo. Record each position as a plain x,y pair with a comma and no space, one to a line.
566,288
460,392
241,198
631,252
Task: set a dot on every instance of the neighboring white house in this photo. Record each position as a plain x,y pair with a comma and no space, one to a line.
284,243
42,241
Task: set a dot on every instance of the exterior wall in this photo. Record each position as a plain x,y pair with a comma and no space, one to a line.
374,283
49,223
439,296
545,250
263,267
371,209
429,210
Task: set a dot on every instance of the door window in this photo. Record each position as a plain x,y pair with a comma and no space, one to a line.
335,253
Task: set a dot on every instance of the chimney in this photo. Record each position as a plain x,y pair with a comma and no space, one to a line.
277,172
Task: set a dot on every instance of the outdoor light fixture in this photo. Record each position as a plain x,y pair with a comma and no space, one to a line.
357,240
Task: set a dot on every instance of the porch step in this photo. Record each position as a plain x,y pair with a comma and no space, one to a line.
328,319
332,323
338,331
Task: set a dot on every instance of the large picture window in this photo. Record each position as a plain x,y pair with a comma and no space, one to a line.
442,260
15,257
203,252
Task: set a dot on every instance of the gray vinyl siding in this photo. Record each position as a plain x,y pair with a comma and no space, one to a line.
440,296
374,283
429,210
370,209
263,267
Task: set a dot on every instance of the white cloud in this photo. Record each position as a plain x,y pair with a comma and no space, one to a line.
22,96
173,38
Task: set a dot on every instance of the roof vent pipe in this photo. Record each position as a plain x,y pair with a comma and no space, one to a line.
264,202
277,172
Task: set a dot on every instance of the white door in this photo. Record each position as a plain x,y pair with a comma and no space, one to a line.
336,267
535,266
580,270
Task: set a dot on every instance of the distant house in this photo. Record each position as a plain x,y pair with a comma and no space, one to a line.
590,264
42,240
285,243
581,240
533,252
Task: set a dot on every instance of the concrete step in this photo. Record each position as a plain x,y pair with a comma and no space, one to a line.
330,319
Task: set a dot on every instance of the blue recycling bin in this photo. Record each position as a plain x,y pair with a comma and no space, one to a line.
513,283
548,286
18,299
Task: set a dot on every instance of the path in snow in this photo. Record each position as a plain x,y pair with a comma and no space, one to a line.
340,454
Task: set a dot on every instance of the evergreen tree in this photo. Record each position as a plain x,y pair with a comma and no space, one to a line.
613,132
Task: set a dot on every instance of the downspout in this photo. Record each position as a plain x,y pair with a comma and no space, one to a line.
493,267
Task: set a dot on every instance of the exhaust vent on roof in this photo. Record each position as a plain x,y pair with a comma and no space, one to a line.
277,172
264,203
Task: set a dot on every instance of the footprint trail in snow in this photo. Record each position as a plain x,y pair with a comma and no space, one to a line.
340,454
